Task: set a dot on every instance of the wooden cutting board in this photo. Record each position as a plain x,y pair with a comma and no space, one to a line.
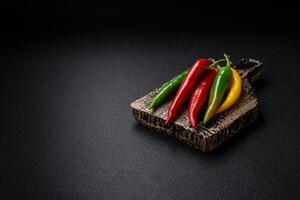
222,127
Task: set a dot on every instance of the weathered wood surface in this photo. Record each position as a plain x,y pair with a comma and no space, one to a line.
220,128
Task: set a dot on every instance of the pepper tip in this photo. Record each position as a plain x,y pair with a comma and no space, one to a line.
194,124
205,121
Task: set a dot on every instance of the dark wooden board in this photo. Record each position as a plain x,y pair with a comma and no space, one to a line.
222,127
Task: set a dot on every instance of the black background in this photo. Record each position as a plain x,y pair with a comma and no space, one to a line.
70,70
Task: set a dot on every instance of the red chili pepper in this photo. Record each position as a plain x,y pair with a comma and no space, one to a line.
187,85
200,95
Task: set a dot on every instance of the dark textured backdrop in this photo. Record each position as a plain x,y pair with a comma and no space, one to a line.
68,131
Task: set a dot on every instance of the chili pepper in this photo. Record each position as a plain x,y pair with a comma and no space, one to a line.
167,90
234,91
186,87
200,95
171,87
217,91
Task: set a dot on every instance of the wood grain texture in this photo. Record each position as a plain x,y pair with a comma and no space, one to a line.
221,127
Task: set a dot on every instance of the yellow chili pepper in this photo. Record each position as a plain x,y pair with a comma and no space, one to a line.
234,92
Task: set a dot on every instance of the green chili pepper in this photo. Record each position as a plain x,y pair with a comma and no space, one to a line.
218,89
167,90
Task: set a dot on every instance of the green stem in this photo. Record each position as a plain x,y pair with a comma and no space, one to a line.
215,62
227,59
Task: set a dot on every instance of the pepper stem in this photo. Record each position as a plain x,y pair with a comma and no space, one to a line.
227,59
215,62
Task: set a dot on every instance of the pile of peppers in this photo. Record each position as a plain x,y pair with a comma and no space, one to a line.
204,85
